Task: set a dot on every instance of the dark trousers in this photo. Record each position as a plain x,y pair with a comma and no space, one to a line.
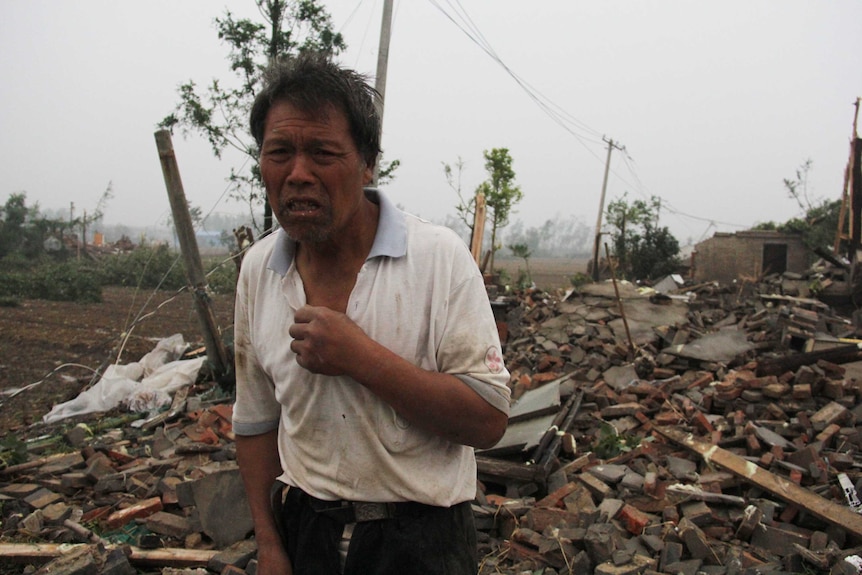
420,539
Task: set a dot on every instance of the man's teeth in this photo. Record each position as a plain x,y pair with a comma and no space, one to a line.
302,206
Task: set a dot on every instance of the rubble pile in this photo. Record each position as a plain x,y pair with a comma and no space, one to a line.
714,432
708,430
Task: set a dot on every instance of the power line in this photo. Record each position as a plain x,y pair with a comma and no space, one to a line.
582,132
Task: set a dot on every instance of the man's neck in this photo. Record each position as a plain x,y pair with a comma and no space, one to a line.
329,269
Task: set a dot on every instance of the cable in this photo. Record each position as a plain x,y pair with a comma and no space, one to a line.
583,133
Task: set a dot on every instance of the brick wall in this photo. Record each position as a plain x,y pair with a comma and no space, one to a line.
726,257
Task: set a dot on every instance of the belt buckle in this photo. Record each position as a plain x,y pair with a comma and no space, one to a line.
372,511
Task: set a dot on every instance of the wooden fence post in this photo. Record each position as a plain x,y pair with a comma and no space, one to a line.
216,352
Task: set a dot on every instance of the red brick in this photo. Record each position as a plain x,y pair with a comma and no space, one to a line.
702,423
555,499
634,520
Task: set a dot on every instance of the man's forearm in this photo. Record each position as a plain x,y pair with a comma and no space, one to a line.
437,402
259,466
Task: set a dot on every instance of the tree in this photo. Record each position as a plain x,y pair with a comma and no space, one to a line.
466,208
23,229
798,188
14,215
220,113
819,220
643,249
523,251
557,237
501,193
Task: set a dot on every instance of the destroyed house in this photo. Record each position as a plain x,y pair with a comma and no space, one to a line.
726,257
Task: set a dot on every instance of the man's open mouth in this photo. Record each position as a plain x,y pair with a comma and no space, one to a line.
299,207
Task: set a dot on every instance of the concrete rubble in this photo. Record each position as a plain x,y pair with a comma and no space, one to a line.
707,429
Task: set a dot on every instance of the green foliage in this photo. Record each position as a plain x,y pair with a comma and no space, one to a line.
466,208
580,279
72,280
18,235
12,451
525,279
501,193
817,227
219,112
643,249
222,276
609,444
386,172
820,218
27,271
145,267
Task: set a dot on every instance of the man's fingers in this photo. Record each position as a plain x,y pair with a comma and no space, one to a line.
304,314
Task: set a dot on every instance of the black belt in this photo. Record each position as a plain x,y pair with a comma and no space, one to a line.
361,511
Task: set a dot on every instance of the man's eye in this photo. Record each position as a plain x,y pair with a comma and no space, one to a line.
276,153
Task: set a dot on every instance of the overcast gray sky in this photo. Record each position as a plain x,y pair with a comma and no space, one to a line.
714,102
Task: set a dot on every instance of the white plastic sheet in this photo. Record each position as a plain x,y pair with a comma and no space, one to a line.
141,386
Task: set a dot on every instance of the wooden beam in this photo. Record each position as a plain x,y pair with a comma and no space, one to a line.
833,513
478,229
166,557
499,469
792,362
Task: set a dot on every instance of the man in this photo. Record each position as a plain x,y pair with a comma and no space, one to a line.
368,362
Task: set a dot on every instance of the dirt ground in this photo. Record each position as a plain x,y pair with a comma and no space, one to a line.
60,344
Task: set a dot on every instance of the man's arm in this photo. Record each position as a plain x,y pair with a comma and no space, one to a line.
259,465
329,343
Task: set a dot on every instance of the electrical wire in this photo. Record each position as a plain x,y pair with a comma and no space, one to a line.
582,132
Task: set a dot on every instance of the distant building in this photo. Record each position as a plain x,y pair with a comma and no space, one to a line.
727,257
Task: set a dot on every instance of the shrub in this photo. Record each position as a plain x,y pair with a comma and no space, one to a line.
580,279
71,280
221,277
146,267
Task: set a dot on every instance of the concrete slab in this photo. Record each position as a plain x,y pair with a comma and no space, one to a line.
722,346
643,317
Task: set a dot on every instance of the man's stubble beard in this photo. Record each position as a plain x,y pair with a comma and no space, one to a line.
316,232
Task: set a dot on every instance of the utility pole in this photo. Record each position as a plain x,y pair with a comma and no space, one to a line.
595,270
382,64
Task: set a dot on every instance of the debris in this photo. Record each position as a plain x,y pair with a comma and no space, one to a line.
727,442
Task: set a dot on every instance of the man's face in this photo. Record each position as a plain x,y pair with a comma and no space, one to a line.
312,171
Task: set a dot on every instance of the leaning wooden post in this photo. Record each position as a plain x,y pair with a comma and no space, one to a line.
216,352
478,228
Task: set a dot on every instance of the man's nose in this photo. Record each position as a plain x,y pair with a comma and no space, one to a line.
300,170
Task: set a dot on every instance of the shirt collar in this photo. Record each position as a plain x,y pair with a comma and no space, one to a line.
389,241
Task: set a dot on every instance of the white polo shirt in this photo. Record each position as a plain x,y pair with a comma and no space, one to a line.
420,294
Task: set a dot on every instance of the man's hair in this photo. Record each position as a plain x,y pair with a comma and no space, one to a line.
312,83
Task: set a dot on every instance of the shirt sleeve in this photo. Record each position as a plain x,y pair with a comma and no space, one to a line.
256,409
470,347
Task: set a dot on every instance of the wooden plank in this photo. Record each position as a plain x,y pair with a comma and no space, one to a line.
172,557
496,468
833,513
167,557
792,362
